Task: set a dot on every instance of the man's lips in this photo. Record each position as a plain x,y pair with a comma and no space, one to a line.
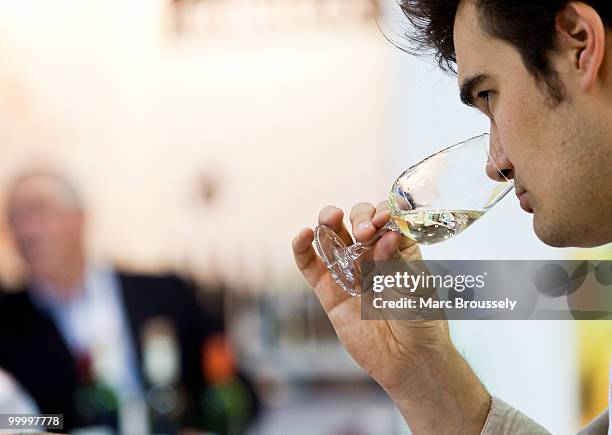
523,197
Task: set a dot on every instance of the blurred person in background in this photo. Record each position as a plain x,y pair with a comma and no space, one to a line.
13,400
106,349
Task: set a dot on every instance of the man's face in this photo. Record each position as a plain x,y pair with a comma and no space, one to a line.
48,233
559,154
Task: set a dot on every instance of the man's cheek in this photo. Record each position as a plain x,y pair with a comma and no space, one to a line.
513,141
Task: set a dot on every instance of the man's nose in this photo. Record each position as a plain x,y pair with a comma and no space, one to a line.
499,167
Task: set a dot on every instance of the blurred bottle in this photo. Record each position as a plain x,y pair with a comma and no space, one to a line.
166,398
95,401
226,405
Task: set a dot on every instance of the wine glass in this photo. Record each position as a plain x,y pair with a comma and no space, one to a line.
432,201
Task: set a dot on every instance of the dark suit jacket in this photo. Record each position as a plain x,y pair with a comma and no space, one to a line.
34,352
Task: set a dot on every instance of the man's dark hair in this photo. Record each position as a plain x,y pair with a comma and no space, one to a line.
529,25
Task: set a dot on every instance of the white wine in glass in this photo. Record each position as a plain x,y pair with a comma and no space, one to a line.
432,201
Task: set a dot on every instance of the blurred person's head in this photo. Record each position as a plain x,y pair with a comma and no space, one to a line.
541,71
46,217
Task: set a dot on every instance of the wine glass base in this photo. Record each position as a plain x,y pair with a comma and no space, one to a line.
334,253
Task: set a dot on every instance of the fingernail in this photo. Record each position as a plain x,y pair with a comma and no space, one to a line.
392,242
363,226
329,210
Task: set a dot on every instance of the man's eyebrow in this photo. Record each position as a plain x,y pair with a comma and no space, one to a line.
467,88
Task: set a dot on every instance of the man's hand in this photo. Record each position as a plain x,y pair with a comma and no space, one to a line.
414,361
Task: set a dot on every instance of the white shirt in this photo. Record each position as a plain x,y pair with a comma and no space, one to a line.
95,323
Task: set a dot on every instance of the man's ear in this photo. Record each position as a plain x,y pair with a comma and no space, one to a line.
582,35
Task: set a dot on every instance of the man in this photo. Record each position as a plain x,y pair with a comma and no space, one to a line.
77,321
541,71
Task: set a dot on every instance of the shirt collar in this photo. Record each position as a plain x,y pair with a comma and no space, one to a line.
44,297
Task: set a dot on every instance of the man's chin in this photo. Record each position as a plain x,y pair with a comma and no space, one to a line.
550,234
559,237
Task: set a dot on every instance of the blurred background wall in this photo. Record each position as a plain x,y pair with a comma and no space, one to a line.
191,146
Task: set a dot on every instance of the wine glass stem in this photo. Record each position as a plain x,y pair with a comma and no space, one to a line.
357,249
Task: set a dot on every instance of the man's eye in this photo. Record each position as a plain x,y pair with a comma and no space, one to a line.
486,96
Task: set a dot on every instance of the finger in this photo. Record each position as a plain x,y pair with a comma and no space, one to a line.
361,220
306,258
382,214
387,247
328,292
409,249
331,216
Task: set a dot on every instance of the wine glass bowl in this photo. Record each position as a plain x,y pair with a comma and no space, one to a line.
432,201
